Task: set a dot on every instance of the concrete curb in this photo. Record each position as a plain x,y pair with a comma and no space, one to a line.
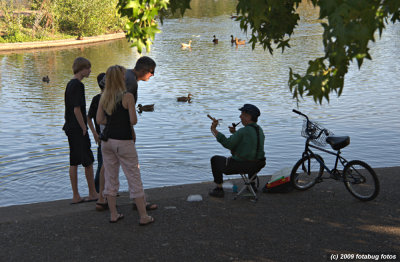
59,43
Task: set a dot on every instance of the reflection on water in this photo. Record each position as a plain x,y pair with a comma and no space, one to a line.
174,142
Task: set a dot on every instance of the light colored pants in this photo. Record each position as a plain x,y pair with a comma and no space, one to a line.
123,153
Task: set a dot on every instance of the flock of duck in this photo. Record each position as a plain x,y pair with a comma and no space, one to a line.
150,108
234,40
142,108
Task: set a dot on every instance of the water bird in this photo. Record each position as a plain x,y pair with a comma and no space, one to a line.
146,108
239,41
215,40
232,39
183,45
184,98
46,79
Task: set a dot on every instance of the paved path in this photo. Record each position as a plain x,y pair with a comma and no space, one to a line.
9,47
297,226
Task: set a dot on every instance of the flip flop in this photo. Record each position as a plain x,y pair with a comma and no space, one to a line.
149,206
78,202
147,223
90,200
120,216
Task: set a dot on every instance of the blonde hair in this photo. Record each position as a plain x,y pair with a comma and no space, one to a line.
79,64
114,89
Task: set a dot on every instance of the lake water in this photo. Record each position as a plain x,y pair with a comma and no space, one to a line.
174,142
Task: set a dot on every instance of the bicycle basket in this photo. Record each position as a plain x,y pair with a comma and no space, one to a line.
313,130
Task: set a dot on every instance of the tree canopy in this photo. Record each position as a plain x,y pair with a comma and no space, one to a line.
349,26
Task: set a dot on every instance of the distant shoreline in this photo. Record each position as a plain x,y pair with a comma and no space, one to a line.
7,47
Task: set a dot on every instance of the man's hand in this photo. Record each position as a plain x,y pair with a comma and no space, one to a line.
213,125
232,129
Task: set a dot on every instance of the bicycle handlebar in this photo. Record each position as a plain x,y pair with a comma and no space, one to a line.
300,113
309,130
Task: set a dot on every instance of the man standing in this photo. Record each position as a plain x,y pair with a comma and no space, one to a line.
144,69
75,128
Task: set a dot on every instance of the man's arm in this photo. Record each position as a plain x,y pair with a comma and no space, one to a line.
228,143
93,129
79,118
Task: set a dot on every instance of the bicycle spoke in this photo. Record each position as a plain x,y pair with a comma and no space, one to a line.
361,180
306,173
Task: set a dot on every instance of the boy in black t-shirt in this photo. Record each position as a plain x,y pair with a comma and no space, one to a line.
96,130
75,128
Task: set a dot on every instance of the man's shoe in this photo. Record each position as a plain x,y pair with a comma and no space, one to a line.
217,192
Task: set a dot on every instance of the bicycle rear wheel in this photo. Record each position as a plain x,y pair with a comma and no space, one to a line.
306,172
361,180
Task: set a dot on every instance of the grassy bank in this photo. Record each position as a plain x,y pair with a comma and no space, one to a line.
43,20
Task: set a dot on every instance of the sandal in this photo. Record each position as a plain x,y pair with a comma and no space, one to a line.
147,223
101,206
119,217
149,206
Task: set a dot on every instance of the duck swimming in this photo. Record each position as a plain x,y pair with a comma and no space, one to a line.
146,108
184,98
46,79
232,39
215,40
239,41
183,45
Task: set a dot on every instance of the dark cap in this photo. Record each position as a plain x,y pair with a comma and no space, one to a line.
250,109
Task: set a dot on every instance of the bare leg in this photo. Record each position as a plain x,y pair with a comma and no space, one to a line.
73,176
112,204
141,206
90,181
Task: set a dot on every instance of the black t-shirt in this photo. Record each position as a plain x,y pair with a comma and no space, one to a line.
74,96
118,124
131,83
93,111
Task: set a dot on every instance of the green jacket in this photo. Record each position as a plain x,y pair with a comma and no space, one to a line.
243,143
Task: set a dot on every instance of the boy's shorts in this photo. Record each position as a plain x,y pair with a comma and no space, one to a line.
79,150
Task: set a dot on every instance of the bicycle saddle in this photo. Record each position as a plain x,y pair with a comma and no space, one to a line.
338,142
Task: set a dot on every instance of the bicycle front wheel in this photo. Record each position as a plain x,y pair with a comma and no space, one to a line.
361,180
306,172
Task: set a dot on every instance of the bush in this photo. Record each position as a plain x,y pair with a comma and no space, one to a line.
87,18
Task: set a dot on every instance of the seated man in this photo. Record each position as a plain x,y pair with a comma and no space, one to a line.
247,149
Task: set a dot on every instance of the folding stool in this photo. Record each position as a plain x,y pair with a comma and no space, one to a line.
247,185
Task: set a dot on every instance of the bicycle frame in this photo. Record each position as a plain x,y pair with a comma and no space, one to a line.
334,171
358,177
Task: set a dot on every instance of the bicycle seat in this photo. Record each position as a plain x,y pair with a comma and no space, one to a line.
338,142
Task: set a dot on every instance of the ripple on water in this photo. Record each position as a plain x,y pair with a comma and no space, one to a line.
174,142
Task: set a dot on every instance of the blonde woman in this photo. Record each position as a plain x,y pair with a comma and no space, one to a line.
117,111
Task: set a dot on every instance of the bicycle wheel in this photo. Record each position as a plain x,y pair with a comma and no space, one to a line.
361,180
306,172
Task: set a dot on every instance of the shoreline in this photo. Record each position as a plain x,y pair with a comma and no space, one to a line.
297,226
264,178
7,47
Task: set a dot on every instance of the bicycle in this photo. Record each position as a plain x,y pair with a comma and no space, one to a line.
359,178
